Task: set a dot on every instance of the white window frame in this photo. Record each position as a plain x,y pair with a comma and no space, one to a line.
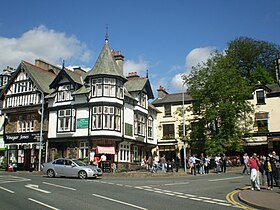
66,120
124,152
83,151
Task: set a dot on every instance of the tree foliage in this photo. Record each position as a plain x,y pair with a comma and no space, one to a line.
250,55
221,92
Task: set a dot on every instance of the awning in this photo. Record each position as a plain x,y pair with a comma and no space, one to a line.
105,150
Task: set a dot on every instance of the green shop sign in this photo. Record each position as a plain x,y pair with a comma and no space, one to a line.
82,123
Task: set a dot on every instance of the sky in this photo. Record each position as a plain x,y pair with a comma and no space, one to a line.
164,37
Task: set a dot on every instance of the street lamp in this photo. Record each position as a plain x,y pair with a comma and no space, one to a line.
41,130
184,129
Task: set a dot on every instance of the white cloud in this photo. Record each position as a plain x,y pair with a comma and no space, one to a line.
196,56
132,66
41,42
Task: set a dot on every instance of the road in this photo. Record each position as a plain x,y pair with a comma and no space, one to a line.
24,191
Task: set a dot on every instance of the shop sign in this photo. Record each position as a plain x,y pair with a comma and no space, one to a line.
82,123
21,138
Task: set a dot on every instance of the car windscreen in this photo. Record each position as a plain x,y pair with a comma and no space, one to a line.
79,163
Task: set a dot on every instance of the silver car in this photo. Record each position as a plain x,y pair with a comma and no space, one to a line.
70,168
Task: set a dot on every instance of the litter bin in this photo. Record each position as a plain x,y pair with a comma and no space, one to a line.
277,174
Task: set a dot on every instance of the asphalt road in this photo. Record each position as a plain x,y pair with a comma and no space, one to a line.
23,191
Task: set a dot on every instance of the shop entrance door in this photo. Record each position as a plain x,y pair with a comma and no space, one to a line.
27,160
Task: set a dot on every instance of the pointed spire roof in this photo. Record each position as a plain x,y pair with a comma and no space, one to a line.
106,64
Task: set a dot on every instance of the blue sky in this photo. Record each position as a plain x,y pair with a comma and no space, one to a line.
165,37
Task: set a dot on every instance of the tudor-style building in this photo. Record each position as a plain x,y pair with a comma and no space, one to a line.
102,112
21,107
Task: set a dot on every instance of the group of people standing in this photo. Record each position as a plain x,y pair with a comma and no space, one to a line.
160,163
199,164
260,166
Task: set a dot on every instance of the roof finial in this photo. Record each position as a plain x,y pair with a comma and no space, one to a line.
106,35
62,64
147,73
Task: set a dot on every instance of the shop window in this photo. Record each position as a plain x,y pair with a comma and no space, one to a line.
124,152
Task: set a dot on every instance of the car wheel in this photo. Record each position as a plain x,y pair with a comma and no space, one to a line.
82,174
50,173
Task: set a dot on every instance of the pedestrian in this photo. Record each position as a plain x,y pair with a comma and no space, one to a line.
201,164
155,164
192,164
254,165
274,159
207,164
224,163
245,161
269,173
218,164
163,163
262,170
177,162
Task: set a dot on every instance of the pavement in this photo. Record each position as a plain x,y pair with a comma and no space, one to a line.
263,199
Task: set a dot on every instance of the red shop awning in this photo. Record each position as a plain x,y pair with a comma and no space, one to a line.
105,150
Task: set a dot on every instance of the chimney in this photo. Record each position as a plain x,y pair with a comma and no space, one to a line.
119,58
79,70
132,75
161,92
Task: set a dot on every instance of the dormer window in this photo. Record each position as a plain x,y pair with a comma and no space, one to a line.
260,97
64,93
143,100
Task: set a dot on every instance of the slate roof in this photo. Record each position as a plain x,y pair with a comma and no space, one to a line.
106,64
138,84
173,99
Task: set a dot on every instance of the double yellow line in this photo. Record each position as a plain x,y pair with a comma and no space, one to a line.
230,198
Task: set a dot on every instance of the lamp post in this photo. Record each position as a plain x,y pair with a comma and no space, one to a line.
184,129
41,130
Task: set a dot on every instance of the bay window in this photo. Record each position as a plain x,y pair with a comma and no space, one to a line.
109,87
106,117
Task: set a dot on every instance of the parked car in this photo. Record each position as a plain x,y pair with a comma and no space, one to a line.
70,168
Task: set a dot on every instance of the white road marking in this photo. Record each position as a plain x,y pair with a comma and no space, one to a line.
10,191
10,179
216,180
36,187
55,185
43,204
117,201
179,183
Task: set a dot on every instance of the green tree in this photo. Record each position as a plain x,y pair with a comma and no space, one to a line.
221,92
249,54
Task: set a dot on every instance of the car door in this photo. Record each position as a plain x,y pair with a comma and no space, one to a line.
58,166
70,169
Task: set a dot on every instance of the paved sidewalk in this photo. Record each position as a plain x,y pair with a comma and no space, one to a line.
263,199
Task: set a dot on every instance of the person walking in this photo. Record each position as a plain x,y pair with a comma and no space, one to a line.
224,163
177,162
201,164
254,165
218,164
245,160
274,159
192,164
269,173
163,164
206,164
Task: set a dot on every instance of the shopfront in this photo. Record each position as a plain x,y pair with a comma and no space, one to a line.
23,150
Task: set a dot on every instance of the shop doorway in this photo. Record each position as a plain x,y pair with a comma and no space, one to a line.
27,160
